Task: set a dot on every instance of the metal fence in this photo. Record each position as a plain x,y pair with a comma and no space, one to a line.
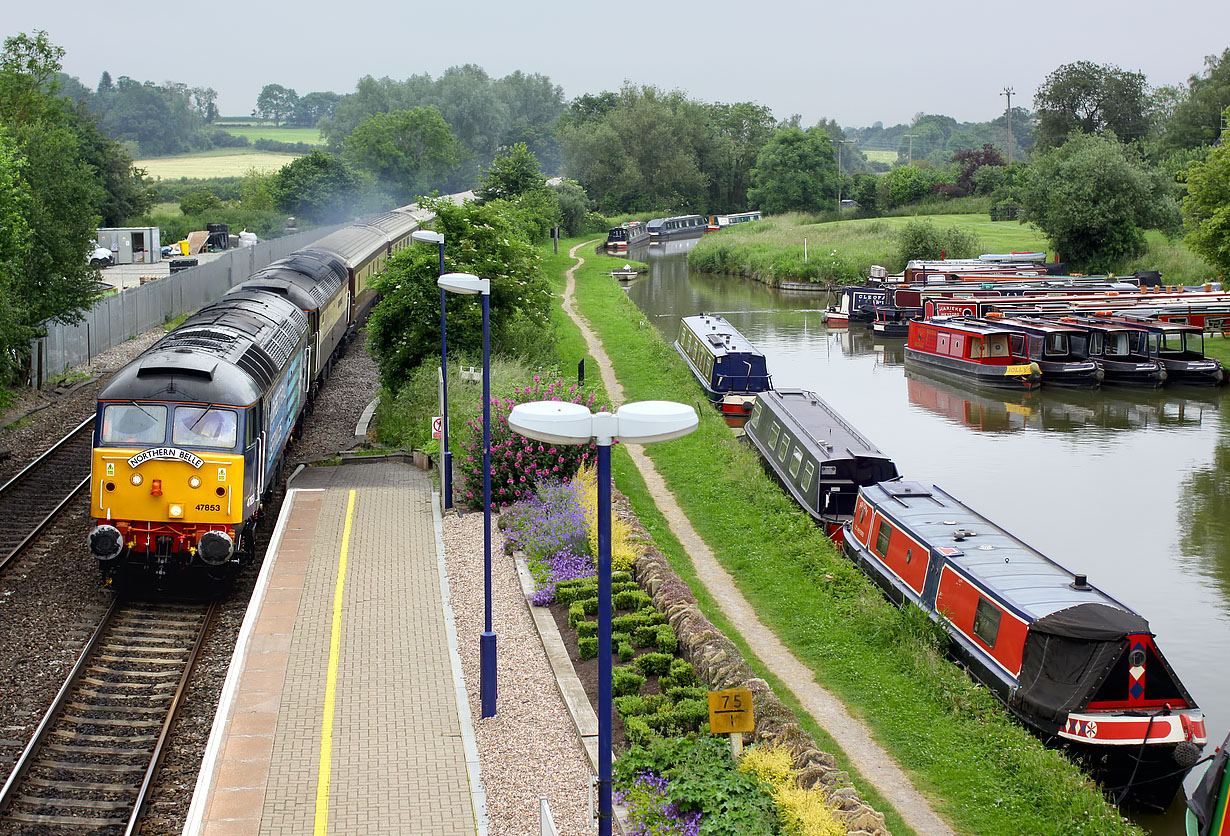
124,315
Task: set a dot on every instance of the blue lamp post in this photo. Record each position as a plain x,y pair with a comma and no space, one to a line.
469,285
426,236
571,423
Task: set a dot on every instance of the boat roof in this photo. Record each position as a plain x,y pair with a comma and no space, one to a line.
1023,577
970,326
1151,324
1049,326
1091,324
718,335
810,419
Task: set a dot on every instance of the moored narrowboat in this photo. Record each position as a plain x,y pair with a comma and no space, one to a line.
1119,349
680,226
617,239
1072,663
857,304
1050,344
729,368
1208,808
1178,347
817,457
971,350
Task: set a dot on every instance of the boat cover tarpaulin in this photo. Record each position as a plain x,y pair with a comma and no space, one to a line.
1067,655
1205,801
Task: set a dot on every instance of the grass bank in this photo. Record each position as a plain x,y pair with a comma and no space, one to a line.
311,136
221,162
985,773
773,250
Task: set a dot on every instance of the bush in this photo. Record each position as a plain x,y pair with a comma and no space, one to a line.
623,586
655,664
199,203
645,636
924,240
585,629
686,692
624,681
629,623
587,647
691,714
666,640
682,672
630,706
630,599
619,638
651,615
626,652
576,614
637,731
589,605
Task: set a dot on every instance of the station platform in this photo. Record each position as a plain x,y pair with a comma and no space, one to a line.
344,711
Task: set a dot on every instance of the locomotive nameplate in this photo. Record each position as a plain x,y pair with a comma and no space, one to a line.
731,711
166,453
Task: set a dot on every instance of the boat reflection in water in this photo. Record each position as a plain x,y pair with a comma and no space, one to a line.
1056,411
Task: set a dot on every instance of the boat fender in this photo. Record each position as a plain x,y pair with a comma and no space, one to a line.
1186,754
747,406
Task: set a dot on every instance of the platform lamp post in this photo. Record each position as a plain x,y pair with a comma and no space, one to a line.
426,236
469,285
560,422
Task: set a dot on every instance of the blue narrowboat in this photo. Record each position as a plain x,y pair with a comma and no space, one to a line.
1072,663
681,226
729,368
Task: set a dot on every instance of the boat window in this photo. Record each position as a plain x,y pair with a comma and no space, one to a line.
975,348
774,432
1056,344
1018,345
1173,341
796,461
781,451
883,535
200,426
1118,345
809,473
986,621
998,345
1096,343
125,423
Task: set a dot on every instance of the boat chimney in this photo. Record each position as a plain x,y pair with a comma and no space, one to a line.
1081,583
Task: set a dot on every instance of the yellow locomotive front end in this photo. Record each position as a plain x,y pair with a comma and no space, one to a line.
168,484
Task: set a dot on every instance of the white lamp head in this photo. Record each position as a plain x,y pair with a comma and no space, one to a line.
464,283
644,422
558,422
426,236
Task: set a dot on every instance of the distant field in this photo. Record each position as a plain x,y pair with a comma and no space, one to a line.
254,132
889,157
213,164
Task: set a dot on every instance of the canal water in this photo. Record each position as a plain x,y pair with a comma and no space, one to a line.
1130,488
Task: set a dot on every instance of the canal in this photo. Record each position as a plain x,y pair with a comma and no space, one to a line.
1131,488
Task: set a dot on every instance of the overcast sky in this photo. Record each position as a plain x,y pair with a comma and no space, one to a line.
855,62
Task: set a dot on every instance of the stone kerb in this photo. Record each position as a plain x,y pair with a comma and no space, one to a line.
721,665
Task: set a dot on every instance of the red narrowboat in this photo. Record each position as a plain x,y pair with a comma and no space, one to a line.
1072,663
973,351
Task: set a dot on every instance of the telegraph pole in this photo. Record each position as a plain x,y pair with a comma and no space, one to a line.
911,138
1008,121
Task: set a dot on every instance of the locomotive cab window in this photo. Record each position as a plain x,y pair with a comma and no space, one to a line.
986,622
133,423
199,426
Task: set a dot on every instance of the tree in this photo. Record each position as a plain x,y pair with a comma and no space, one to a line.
514,171
1091,98
1207,207
313,107
970,162
275,102
319,187
483,240
574,206
796,171
1196,118
15,203
105,84
1093,198
905,184
204,103
737,133
409,152
200,202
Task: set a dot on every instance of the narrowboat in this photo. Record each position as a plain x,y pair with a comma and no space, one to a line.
892,318
1072,663
638,233
1050,344
719,222
1119,349
617,239
817,457
970,350
857,304
729,368
681,226
1179,347
1208,808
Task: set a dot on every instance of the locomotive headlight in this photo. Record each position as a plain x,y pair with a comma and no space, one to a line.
136,478
194,482
175,510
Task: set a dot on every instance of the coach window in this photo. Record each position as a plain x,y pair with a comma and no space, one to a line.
883,535
133,423
774,432
809,473
796,461
986,622
199,426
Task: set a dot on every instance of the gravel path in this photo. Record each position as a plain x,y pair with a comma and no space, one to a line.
530,748
854,737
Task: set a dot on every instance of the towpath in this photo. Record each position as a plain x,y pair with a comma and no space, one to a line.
877,765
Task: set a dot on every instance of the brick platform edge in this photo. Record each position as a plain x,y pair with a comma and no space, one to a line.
721,665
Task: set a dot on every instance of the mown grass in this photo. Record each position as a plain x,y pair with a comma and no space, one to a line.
986,774
889,157
220,162
309,135
1177,263
772,250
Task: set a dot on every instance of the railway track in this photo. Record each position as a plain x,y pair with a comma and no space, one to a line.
91,763
33,498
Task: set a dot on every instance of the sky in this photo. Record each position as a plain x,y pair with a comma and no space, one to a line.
856,63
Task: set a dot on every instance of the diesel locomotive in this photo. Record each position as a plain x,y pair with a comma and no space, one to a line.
190,436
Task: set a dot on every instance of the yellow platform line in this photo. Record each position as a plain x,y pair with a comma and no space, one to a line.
335,646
